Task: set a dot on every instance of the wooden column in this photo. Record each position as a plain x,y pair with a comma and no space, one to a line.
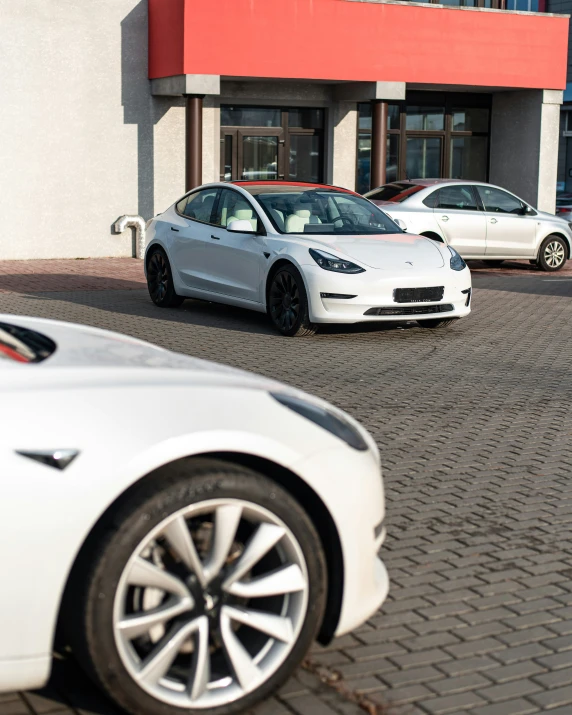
194,141
378,143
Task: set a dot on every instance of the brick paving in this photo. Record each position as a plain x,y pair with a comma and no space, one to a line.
474,425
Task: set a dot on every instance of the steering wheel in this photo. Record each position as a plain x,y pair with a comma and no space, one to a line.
345,219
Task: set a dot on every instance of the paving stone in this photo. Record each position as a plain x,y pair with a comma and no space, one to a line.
459,684
553,698
476,464
510,690
519,706
452,703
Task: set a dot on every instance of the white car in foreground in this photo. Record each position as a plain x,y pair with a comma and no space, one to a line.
304,253
189,528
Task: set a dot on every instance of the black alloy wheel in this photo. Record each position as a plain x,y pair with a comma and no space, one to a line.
288,303
160,281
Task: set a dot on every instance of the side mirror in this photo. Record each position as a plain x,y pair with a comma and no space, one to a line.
529,211
402,225
240,226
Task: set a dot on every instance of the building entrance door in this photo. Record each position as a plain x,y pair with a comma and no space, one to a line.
266,143
252,154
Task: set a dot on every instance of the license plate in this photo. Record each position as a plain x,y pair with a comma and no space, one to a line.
418,295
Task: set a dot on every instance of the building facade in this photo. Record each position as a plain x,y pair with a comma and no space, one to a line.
115,107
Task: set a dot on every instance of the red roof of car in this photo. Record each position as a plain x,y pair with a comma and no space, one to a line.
292,183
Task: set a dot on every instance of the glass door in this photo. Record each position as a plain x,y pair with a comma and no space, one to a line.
252,155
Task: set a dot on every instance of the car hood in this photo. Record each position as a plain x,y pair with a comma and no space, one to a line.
551,217
79,346
396,251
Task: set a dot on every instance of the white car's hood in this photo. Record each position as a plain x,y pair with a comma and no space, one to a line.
79,346
396,251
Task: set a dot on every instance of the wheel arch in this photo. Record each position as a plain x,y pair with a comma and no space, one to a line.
297,488
433,235
561,235
274,268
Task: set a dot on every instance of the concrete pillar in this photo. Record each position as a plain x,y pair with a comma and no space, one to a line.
344,144
524,144
378,143
194,142
211,139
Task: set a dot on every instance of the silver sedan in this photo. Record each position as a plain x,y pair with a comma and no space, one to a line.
479,220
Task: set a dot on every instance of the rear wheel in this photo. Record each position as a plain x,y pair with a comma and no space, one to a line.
160,281
204,595
552,254
435,323
288,303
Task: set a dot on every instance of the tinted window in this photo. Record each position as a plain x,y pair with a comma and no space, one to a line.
199,205
234,207
396,192
322,211
432,200
499,201
24,345
457,197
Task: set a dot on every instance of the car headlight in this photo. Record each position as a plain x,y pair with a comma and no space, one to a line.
333,423
456,262
332,263
569,225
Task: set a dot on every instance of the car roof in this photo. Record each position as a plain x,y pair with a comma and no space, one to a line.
302,184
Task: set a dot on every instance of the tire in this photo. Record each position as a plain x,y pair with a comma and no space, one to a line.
121,577
160,280
434,323
288,303
495,264
553,253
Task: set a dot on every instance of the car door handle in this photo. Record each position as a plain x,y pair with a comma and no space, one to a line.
216,238
174,229
493,220
444,218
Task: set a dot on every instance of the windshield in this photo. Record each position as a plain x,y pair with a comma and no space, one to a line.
321,211
23,345
395,193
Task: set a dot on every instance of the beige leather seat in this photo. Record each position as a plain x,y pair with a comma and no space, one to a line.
295,222
243,214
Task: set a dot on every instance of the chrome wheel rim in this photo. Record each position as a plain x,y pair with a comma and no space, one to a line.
210,603
284,301
158,276
554,254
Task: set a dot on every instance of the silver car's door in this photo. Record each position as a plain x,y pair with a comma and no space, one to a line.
461,220
235,259
191,239
510,231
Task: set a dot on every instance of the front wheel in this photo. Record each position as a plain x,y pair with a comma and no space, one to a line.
552,254
204,594
435,323
160,281
288,303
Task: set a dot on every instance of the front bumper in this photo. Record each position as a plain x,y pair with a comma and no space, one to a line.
374,289
351,487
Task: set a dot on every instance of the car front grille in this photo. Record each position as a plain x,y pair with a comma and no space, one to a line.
418,295
413,310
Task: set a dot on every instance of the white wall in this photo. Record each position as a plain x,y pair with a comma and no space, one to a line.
82,140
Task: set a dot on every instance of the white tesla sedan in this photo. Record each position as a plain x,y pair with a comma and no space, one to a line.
189,528
304,253
479,220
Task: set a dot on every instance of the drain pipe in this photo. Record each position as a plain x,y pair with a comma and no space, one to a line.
138,223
